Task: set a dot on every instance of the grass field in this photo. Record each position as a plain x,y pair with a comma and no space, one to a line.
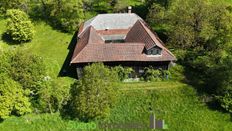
175,102
50,44
178,105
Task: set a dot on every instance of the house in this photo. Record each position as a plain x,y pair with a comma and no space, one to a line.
120,39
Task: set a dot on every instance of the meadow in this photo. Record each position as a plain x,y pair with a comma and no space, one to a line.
178,105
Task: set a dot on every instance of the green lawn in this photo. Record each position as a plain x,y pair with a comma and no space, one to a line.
174,102
50,44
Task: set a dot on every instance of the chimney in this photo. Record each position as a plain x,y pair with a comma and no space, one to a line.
129,9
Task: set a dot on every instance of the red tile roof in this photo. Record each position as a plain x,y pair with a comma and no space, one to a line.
88,36
117,52
92,48
140,32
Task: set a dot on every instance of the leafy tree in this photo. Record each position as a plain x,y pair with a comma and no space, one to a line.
12,4
196,28
27,69
67,14
163,3
99,6
221,82
19,26
94,94
52,96
13,98
201,33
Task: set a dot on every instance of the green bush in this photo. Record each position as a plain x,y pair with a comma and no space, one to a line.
12,4
226,101
177,72
26,69
152,74
70,16
13,98
52,96
123,72
94,94
19,26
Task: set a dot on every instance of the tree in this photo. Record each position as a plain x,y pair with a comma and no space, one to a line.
13,99
52,96
202,25
99,6
94,94
19,26
12,4
201,36
67,14
221,82
27,69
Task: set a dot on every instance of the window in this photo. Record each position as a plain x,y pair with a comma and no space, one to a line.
154,51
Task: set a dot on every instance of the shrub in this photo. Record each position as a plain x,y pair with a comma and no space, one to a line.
13,98
123,72
12,4
226,101
52,96
165,74
177,72
152,74
27,69
19,26
94,94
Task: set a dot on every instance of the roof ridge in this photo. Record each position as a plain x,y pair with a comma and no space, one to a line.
85,31
140,22
163,47
93,31
90,31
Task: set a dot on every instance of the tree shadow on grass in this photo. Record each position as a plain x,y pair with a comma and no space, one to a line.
6,38
205,94
68,70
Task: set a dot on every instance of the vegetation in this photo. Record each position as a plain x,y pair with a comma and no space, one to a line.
123,72
13,4
13,98
30,72
200,38
26,69
65,15
174,102
19,26
52,97
151,74
94,94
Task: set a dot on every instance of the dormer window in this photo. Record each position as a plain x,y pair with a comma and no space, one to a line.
154,51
